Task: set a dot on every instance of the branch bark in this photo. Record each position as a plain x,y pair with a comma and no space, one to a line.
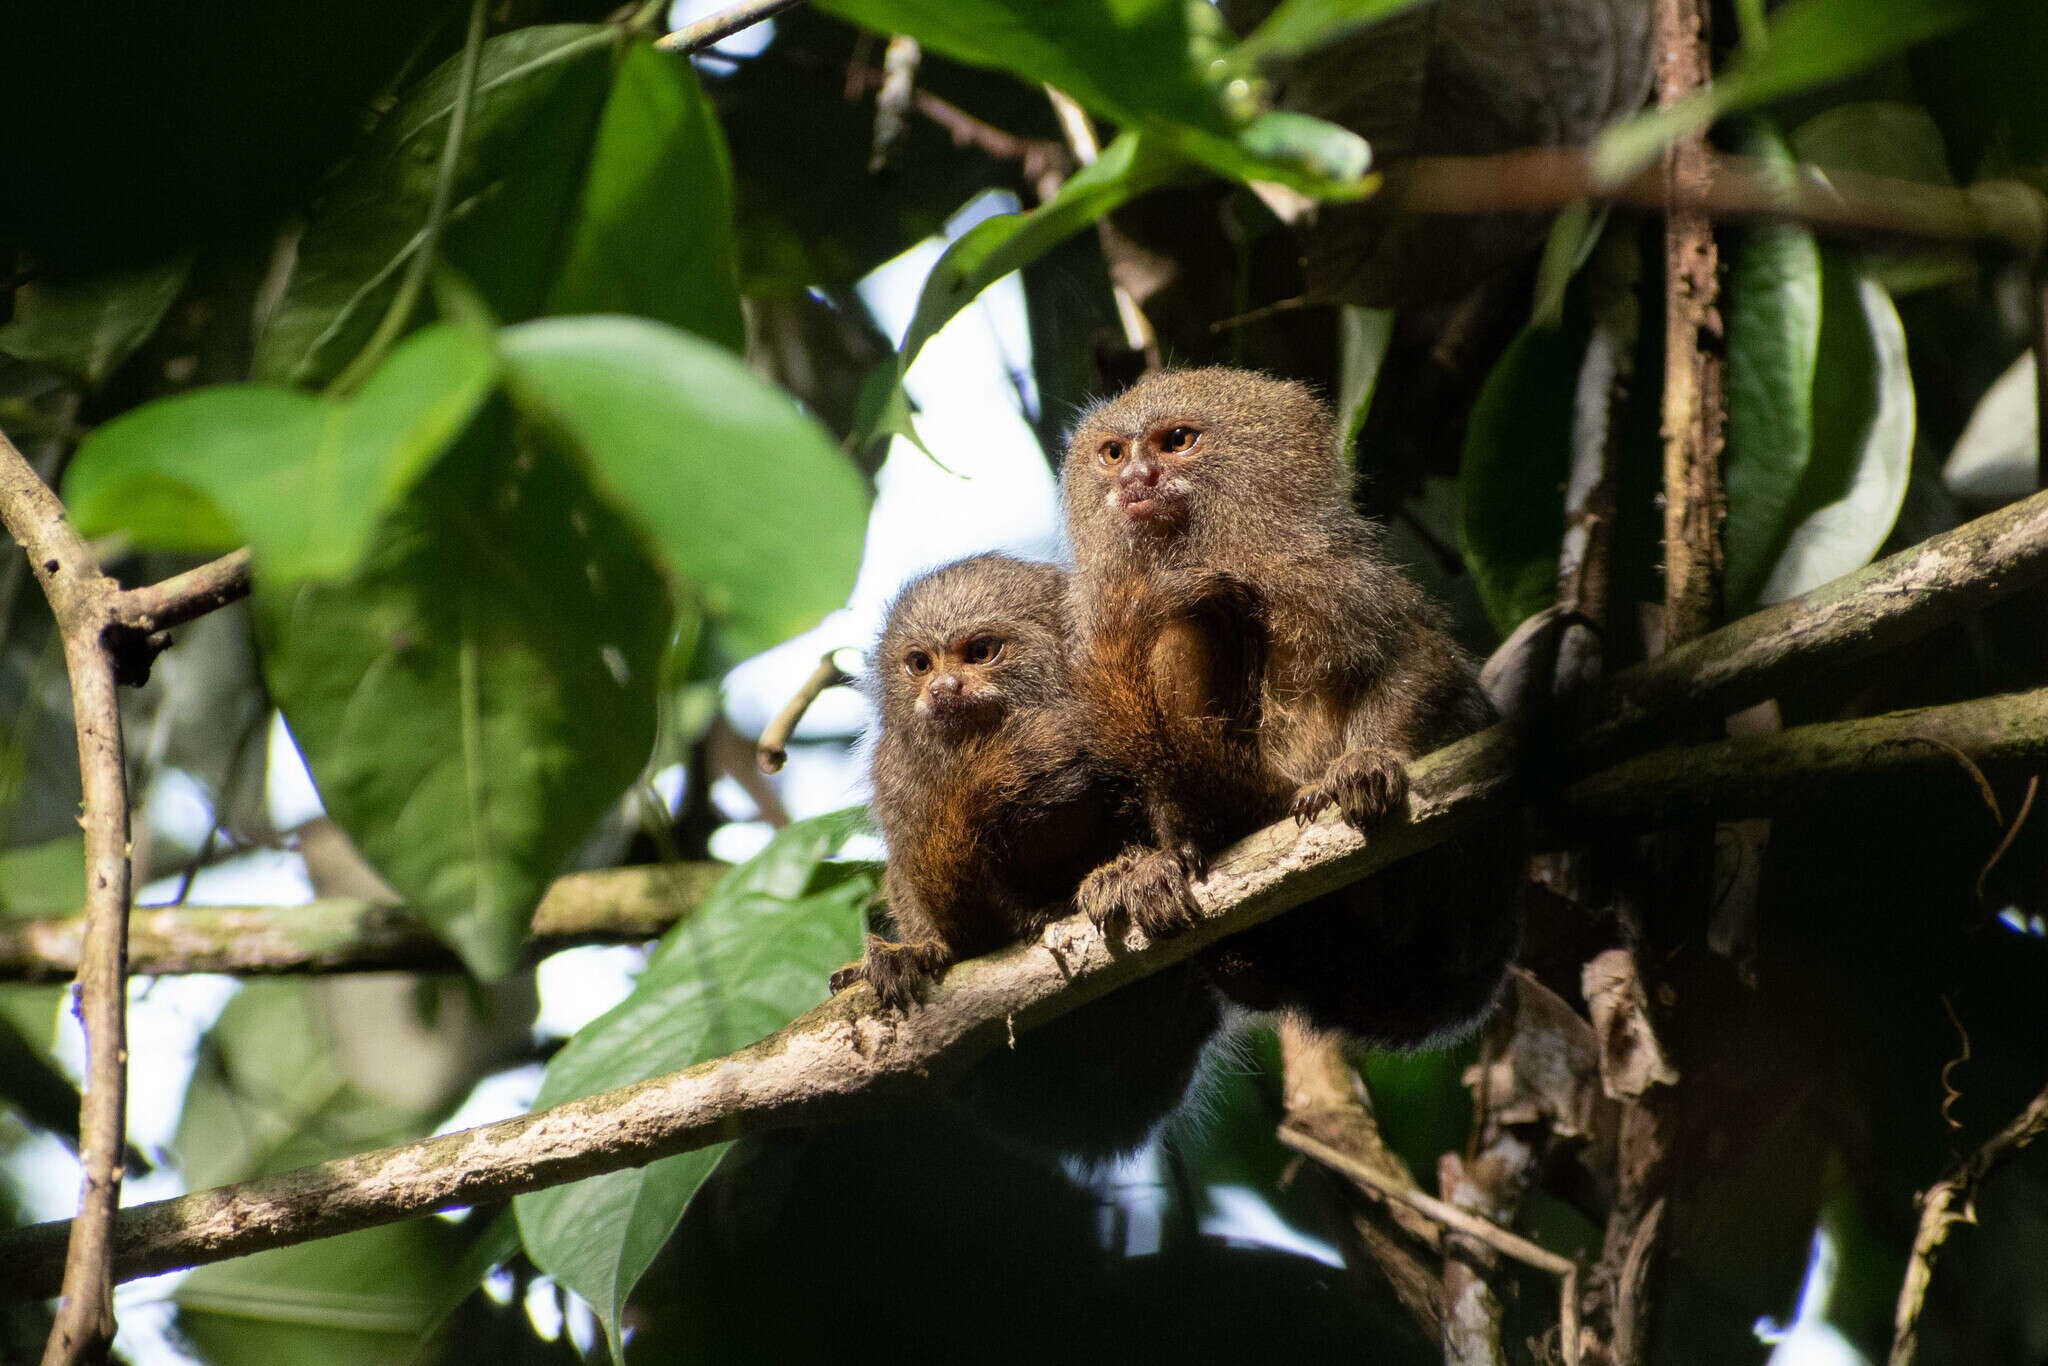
344,934
2003,216
83,599
843,1059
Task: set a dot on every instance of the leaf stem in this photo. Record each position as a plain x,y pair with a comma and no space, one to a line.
414,284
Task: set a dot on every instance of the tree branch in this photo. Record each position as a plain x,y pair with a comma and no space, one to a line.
184,597
81,597
615,906
722,25
1767,654
843,1059
2005,216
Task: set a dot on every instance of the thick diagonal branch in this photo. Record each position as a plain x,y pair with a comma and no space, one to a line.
843,1059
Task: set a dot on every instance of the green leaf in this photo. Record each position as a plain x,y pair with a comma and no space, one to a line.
1166,66
1820,413
541,94
268,1093
483,689
89,324
365,1297
756,954
1863,422
1298,26
991,249
1876,137
742,493
43,879
1812,43
1512,473
1364,335
653,233
300,479
1772,303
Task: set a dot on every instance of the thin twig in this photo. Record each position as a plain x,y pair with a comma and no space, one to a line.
892,101
1511,1245
2012,832
185,597
1323,1095
1079,131
722,25
415,281
773,751
80,596
1039,157
1952,1201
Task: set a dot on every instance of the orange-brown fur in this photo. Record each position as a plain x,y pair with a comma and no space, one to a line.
1226,478
994,810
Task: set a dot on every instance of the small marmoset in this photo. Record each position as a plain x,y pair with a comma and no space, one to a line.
1236,481
994,811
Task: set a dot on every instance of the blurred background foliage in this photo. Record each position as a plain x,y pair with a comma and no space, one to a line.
518,520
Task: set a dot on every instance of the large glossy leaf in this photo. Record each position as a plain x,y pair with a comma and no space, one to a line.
1863,421
89,324
745,496
1772,303
477,695
1167,66
756,953
1512,473
653,232
301,479
540,95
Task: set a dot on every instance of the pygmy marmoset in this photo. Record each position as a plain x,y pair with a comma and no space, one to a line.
993,811
1238,477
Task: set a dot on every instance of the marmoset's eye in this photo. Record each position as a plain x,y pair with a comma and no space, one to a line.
917,663
984,650
1179,439
1112,452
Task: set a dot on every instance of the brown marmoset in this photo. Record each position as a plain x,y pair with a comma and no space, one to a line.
1236,478
994,811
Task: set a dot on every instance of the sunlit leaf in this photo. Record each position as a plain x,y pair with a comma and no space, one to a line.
756,953
299,478
479,693
744,495
1165,66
